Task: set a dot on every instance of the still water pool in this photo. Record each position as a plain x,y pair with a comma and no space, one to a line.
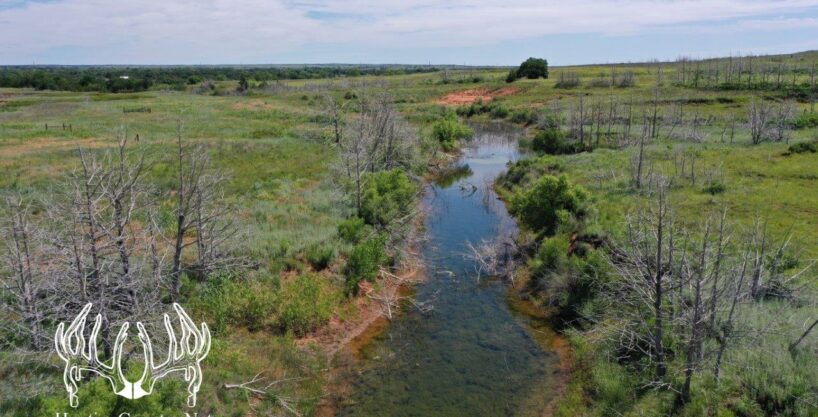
472,355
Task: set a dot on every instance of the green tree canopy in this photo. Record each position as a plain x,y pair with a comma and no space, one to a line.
533,68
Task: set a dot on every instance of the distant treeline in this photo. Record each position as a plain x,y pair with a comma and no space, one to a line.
130,79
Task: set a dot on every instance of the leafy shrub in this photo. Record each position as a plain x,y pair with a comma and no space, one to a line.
363,262
448,132
512,75
806,121
524,116
715,187
320,256
804,147
495,109
552,142
549,202
387,195
499,111
226,301
352,229
550,258
307,302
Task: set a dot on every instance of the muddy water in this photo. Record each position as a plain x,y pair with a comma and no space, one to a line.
472,355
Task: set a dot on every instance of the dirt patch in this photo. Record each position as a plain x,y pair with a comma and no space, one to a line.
45,144
473,95
254,105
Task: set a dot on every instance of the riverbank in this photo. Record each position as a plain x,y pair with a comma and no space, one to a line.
471,347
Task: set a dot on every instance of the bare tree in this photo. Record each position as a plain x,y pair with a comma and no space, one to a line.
25,273
759,115
644,270
202,216
783,118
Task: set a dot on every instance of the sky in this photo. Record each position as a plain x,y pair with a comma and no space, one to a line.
471,32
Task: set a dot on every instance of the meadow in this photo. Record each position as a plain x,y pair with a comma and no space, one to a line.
276,142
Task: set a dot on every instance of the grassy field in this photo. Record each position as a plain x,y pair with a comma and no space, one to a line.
276,144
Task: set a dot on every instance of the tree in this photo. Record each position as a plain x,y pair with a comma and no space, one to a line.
202,217
533,68
244,85
759,116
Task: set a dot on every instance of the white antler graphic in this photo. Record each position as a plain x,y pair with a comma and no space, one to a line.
183,356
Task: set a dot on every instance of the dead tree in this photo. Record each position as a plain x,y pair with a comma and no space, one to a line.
335,112
783,118
642,263
26,278
759,115
202,217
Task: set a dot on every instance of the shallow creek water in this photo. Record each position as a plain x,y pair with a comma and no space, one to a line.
472,355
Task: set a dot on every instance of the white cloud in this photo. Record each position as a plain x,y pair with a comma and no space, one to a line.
193,31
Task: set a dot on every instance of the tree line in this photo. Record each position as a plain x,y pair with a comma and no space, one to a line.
134,79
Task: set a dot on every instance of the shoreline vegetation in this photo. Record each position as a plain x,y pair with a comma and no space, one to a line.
704,168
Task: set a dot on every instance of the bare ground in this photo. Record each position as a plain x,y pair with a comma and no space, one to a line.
473,95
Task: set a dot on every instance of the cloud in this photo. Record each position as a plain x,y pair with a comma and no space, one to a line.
212,31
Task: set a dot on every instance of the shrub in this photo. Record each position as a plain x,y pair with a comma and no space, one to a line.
352,230
550,257
524,116
307,303
499,111
363,262
387,195
806,121
804,147
320,256
512,75
449,131
552,142
549,202
226,301
715,188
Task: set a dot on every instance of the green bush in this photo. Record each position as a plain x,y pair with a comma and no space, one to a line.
226,301
524,116
550,258
806,121
307,302
804,147
363,262
449,131
386,196
352,229
499,111
320,256
549,202
715,187
552,142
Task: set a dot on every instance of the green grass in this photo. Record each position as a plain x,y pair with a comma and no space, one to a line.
275,147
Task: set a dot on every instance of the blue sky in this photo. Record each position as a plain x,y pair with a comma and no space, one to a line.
477,32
